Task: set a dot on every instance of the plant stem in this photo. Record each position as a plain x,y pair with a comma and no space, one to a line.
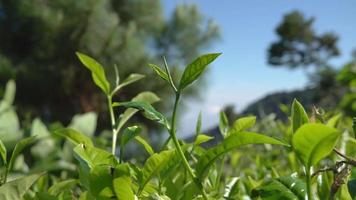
113,125
309,187
179,149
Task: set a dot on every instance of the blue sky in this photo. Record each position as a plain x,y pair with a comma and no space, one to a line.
241,75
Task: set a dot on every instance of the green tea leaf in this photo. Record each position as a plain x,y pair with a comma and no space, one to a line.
243,123
159,72
3,152
154,165
201,138
299,116
195,69
148,111
122,188
287,187
334,121
145,144
90,157
16,189
198,125
18,148
74,136
313,142
351,185
148,97
129,133
10,91
97,72
61,186
223,124
234,141
131,79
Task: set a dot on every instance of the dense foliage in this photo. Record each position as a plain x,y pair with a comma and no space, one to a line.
309,157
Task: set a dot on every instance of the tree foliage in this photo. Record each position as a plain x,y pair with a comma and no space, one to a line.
298,44
39,38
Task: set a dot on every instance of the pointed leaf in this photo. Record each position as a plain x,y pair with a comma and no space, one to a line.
149,111
333,122
145,144
3,152
160,72
196,68
287,187
19,147
299,116
243,123
74,136
223,124
201,138
122,188
97,72
234,141
16,189
313,142
148,97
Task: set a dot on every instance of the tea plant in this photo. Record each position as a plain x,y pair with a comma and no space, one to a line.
301,164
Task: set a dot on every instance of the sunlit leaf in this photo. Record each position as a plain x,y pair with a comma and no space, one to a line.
195,69
223,124
299,116
313,142
243,123
201,138
74,136
97,72
333,122
145,144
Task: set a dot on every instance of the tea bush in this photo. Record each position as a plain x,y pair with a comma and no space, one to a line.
310,157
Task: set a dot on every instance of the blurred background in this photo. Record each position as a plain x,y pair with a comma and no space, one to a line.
273,51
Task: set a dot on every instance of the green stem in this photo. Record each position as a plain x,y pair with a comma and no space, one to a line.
179,149
309,187
113,124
